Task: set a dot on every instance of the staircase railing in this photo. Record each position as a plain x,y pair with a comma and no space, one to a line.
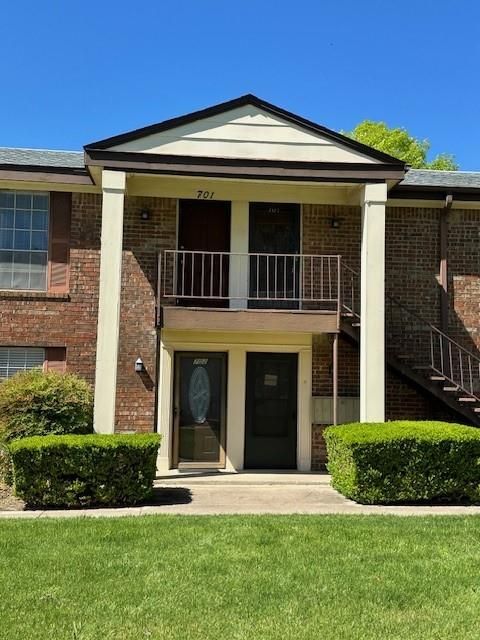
455,363
411,337
350,290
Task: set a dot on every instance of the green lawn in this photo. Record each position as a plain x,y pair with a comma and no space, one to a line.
264,577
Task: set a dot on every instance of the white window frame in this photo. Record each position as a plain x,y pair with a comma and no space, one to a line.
15,359
29,251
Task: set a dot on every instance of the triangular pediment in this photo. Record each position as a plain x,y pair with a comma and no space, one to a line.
243,129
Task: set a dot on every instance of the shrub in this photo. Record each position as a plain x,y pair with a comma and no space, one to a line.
81,471
35,403
5,465
404,461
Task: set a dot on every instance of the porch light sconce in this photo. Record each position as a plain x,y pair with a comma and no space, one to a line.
139,366
145,214
335,223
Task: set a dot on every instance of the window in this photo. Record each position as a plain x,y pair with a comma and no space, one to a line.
23,240
14,359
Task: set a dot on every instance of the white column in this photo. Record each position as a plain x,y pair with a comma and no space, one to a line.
113,185
165,407
237,362
372,321
304,413
239,244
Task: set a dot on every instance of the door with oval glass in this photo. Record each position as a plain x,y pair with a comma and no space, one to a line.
199,409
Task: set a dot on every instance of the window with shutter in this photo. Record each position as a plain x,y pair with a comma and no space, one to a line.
24,218
55,359
14,359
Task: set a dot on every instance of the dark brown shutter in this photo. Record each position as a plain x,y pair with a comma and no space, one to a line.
59,255
55,359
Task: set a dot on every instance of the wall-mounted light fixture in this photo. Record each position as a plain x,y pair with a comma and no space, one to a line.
335,223
145,214
139,366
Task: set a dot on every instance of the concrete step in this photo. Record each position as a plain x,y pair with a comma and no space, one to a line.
242,478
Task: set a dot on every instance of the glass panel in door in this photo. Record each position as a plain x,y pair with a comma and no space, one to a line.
200,394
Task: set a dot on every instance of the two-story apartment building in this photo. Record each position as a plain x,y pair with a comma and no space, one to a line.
240,277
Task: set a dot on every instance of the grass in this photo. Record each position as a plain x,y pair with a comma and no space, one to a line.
265,577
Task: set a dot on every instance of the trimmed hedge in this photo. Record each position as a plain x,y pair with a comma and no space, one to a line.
34,403
381,463
83,471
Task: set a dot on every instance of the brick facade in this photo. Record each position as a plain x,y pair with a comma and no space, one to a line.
412,266
142,241
412,276
57,320
70,320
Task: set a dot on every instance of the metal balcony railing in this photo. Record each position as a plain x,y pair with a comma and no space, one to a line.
254,280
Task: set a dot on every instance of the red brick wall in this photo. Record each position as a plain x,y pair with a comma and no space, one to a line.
142,240
412,258
464,277
71,321
412,267
319,237
48,320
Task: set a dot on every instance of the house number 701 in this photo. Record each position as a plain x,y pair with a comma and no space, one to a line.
205,195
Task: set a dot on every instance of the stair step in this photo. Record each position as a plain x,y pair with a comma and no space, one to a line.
437,378
421,367
347,314
476,409
467,399
405,356
450,388
355,324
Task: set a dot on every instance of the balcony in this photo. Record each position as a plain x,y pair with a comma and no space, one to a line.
253,291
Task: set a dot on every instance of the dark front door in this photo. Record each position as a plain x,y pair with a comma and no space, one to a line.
200,409
271,411
274,279
203,238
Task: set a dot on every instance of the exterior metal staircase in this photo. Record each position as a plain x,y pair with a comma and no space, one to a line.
418,351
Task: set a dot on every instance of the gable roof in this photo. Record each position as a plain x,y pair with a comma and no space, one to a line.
242,101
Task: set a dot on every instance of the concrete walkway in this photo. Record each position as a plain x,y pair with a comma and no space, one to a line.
248,493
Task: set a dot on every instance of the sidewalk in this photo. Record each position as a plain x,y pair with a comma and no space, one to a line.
247,493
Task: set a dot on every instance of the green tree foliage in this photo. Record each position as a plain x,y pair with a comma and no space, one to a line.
399,143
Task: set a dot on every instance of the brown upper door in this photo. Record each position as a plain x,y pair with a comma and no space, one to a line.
202,278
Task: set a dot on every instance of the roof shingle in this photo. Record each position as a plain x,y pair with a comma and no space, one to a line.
42,158
447,179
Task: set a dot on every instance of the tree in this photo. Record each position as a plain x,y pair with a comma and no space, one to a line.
399,143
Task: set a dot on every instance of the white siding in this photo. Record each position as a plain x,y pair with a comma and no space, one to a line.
246,132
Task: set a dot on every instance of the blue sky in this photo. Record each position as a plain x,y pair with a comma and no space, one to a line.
74,72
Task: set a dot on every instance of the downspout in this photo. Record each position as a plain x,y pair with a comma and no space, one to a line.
444,263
